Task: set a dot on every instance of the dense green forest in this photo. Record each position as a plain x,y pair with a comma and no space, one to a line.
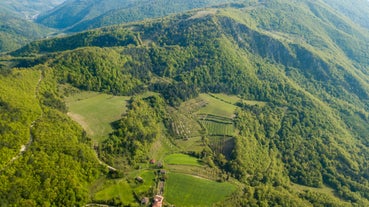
250,95
57,164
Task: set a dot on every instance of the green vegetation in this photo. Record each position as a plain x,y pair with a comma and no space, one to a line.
78,16
216,128
17,116
217,106
186,190
28,9
285,94
147,185
119,190
57,162
16,32
181,159
135,132
96,112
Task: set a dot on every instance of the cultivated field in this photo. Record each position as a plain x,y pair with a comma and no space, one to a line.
186,190
216,128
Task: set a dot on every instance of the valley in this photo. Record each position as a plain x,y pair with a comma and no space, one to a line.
172,103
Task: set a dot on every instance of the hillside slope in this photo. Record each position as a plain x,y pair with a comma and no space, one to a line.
29,9
81,15
16,31
296,133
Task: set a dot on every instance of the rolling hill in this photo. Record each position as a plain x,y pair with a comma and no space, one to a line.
81,15
29,9
16,31
269,98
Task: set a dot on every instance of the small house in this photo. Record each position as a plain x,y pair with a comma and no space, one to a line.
139,179
158,201
145,201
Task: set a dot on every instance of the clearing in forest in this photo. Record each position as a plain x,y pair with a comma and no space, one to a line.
96,111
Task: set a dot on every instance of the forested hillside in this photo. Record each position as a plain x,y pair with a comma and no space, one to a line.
16,32
264,102
29,9
81,15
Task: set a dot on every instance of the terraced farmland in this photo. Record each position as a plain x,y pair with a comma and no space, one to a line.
218,128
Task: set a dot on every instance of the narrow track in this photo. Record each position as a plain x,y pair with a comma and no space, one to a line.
25,147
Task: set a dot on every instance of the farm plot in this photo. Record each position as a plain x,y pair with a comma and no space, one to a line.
218,128
183,126
186,190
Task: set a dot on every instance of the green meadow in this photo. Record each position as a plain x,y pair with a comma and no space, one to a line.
148,182
217,106
187,191
116,189
181,159
96,111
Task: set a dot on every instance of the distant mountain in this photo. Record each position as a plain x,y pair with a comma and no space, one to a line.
269,96
357,11
29,9
16,31
77,15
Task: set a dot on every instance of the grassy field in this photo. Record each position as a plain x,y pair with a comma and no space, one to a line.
216,107
215,128
95,112
181,159
116,189
232,99
148,182
186,190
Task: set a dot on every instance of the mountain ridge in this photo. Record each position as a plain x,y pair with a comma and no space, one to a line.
296,88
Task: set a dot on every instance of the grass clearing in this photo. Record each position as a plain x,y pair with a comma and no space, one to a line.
148,182
96,111
116,189
216,107
231,99
186,190
181,159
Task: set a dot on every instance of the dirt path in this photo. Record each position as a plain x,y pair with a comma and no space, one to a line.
25,147
103,163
